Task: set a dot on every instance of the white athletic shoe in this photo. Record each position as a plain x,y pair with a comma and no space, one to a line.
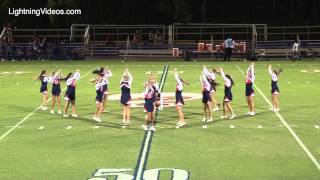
178,124
75,115
248,113
232,116
182,124
97,119
52,111
204,119
123,121
252,113
210,120
152,128
65,115
43,108
223,117
216,109
145,127
104,111
276,110
59,112
271,109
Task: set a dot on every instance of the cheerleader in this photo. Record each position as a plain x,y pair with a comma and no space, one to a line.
125,85
206,99
274,88
56,90
106,74
70,96
149,106
43,88
227,95
179,98
250,77
100,82
211,76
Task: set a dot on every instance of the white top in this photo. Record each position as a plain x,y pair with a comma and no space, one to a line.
107,74
250,73
179,85
129,80
99,85
274,77
75,77
226,80
229,43
205,83
209,75
295,47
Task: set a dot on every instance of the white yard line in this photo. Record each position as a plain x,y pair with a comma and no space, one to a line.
30,114
139,175
284,122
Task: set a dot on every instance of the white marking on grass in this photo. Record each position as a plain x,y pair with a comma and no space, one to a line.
204,126
159,72
4,73
316,126
31,113
177,127
124,127
13,126
96,127
259,126
307,82
232,126
289,82
17,84
41,127
284,122
68,127
304,71
147,140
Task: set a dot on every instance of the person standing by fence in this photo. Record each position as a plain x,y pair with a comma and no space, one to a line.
229,45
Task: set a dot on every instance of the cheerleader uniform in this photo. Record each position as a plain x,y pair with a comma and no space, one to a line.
148,99
99,91
71,87
106,75
179,87
249,81
56,90
125,91
211,76
44,84
227,88
206,87
274,83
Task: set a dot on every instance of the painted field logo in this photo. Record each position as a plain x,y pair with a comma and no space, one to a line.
150,174
169,99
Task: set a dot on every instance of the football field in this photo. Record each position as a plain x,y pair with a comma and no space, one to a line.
37,145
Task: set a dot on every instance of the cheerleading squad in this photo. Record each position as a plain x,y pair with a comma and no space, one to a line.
152,94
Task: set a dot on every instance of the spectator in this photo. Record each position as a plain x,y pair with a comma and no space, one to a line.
3,52
44,49
137,37
295,53
109,40
151,37
158,37
229,46
9,32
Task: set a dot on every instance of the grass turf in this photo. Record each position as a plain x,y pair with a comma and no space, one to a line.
217,152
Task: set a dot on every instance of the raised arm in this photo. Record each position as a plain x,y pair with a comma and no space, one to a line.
223,75
270,70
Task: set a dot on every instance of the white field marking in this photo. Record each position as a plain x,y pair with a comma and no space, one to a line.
68,127
289,82
232,126
146,143
204,126
13,126
284,122
159,72
31,113
147,72
18,84
177,127
20,72
259,126
41,127
4,73
124,127
316,126
96,127
307,82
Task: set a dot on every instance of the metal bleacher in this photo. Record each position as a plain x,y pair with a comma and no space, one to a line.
89,41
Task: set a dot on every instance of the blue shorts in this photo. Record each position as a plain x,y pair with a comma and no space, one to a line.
99,97
206,97
249,89
125,99
43,89
70,95
148,105
179,98
56,90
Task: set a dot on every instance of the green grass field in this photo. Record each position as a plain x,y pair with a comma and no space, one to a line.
246,148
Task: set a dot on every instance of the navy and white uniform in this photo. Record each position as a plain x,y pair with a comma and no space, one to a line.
148,99
249,81
156,95
44,83
211,76
206,87
274,82
227,88
125,90
179,87
99,91
71,87
55,81
106,75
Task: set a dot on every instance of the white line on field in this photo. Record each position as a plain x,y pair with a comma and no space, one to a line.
316,126
284,122
232,126
41,127
204,126
68,127
13,126
96,127
139,175
31,113
259,126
